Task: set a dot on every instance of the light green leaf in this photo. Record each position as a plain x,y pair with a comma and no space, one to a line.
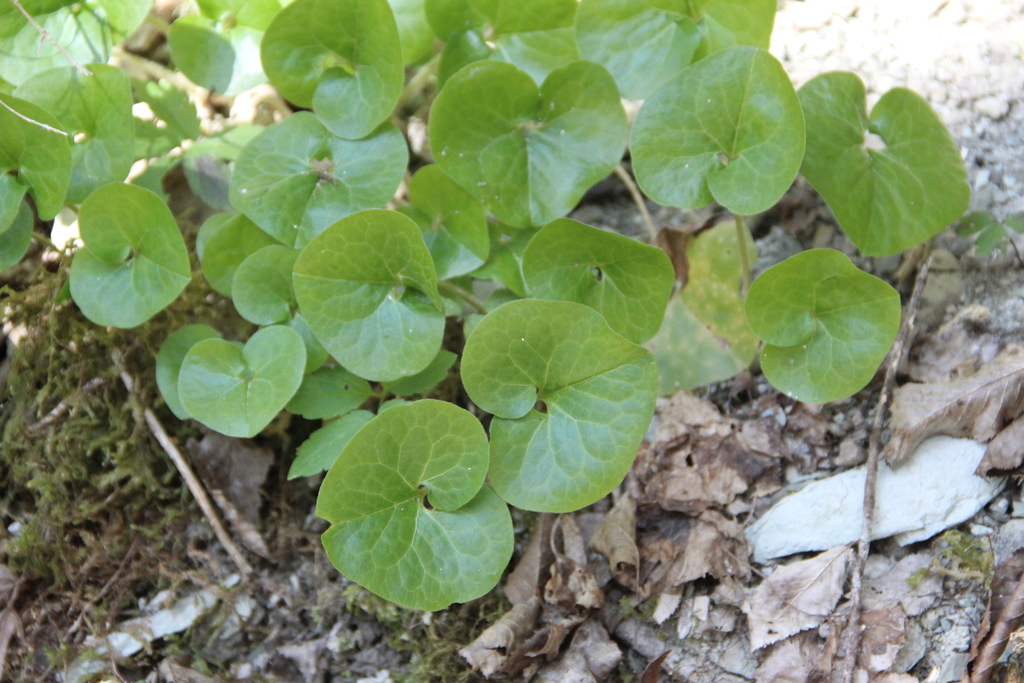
238,390
296,178
411,518
705,337
322,448
368,290
134,262
626,281
81,30
641,43
11,192
169,359
728,23
216,57
454,223
223,243
893,179
316,354
171,106
152,178
123,16
15,240
95,110
41,157
827,325
414,30
594,389
262,286
256,14
529,154
504,263
426,379
536,36
1015,221
153,141
727,129
329,392
975,222
341,57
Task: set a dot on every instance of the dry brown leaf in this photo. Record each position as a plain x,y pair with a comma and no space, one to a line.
233,471
882,638
1005,452
887,584
7,581
652,672
796,597
172,672
956,349
591,656
615,538
791,661
525,580
1004,582
977,406
895,678
489,653
571,585
10,623
716,546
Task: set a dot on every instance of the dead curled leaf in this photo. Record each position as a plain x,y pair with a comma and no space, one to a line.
615,538
1001,616
716,546
976,406
882,638
571,585
791,661
489,653
796,597
591,656
1005,452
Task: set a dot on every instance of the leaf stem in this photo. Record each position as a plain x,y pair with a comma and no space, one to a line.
159,72
741,238
46,241
158,23
47,37
638,199
418,81
452,288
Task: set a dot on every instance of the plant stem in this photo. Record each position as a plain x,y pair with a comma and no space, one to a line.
158,23
418,81
741,238
44,240
638,199
47,37
468,297
159,72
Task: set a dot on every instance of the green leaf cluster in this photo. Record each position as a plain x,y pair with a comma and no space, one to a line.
372,293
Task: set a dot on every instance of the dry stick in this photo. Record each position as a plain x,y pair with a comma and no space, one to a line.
46,36
638,199
32,121
193,484
851,636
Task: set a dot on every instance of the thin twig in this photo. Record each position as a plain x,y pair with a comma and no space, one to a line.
638,199
46,36
474,303
741,240
193,484
32,121
851,636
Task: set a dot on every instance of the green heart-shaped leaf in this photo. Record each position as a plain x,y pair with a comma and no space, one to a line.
893,179
329,392
626,281
454,223
414,30
411,518
171,106
96,110
223,243
641,43
367,288
262,287
533,35
15,240
827,325
169,359
238,390
40,156
215,56
255,14
12,191
296,178
727,129
529,154
728,23
322,448
705,337
123,16
595,391
504,263
341,57
133,262
77,28
424,380
316,354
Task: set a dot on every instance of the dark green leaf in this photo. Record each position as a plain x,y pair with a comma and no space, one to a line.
626,281
504,264
454,223
169,360
893,179
975,222
97,111
296,178
426,379
411,518
727,129
134,262
238,390
15,240
40,156
223,243
316,354
367,288
324,445
595,391
329,392
11,192
826,324
529,154
341,57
